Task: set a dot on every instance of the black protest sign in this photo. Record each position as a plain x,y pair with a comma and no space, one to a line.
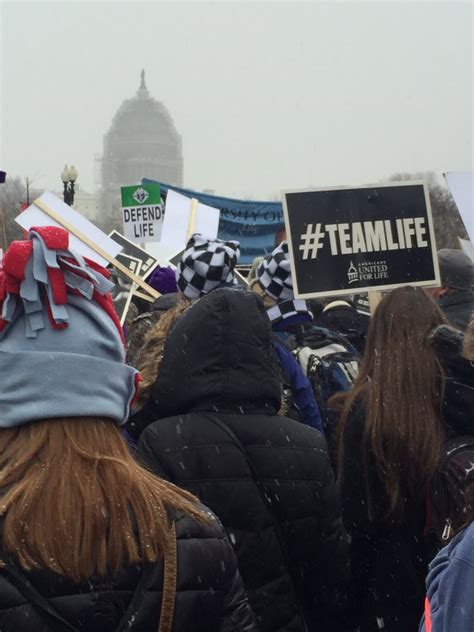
148,261
122,291
361,303
352,240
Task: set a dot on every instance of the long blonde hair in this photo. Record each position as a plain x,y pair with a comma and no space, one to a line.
74,501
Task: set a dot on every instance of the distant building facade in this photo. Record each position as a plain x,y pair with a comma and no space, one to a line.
87,204
142,142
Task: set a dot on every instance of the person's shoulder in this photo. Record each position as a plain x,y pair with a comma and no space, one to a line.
456,298
288,433
189,527
463,546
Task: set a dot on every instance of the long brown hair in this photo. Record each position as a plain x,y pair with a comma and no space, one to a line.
151,354
74,501
468,350
399,386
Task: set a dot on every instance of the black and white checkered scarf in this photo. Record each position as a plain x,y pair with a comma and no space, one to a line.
285,310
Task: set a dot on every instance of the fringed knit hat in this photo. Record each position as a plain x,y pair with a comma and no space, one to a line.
274,274
205,265
61,344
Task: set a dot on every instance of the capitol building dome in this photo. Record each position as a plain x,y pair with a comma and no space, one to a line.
142,142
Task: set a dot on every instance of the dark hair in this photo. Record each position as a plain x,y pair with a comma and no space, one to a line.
400,386
280,235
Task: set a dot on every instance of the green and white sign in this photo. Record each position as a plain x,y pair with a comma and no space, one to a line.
143,212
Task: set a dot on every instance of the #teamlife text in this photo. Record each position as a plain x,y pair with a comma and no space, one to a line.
362,237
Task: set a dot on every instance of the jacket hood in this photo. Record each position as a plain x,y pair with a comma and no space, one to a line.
459,383
219,356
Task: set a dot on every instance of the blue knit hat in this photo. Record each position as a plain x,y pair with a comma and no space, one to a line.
61,344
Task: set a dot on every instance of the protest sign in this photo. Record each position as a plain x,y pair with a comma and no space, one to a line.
175,259
256,225
84,237
142,212
184,217
361,303
124,287
39,214
351,240
148,261
461,185
241,279
161,252
467,247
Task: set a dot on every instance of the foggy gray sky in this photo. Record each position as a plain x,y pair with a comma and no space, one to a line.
266,95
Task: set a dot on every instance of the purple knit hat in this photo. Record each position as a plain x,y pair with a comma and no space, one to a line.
163,280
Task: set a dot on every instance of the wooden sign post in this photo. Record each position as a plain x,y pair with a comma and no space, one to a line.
374,299
100,251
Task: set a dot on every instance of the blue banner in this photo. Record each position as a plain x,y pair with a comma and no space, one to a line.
257,225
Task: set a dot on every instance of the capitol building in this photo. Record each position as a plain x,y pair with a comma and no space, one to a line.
142,141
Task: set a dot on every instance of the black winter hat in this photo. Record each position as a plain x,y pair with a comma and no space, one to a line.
456,269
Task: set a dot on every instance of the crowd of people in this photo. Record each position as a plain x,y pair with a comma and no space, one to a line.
238,459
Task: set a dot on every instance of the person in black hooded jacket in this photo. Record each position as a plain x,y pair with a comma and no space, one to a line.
268,478
458,396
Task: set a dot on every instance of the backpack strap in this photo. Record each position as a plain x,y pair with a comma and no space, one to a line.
50,615
264,496
146,579
57,623
168,598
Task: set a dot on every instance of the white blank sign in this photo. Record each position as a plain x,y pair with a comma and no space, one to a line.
34,216
175,231
461,185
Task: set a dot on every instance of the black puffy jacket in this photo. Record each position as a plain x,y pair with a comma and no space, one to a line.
219,362
209,595
458,404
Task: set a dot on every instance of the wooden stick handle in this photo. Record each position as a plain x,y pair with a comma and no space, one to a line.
145,297
192,219
375,297
100,251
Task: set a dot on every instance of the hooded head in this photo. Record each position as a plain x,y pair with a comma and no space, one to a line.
61,344
206,264
456,269
219,356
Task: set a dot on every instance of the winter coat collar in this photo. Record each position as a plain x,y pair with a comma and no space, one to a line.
457,298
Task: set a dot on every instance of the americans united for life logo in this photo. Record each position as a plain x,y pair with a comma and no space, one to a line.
352,274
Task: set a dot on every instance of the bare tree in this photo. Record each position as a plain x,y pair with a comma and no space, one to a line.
13,194
448,224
